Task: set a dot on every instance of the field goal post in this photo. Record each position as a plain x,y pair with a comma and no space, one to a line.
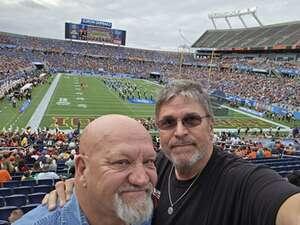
183,50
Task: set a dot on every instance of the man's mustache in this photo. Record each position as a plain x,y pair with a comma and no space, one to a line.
182,143
148,188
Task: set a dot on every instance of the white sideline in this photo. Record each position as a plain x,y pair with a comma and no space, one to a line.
39,112
286,128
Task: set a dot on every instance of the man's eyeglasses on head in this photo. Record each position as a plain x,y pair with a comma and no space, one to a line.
189,121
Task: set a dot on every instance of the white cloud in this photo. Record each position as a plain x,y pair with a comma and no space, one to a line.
48,2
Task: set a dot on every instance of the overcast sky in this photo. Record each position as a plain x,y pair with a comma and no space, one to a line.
154,24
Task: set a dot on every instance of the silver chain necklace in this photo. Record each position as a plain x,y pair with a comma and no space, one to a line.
171,207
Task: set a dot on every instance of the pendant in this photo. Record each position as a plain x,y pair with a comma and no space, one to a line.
170,210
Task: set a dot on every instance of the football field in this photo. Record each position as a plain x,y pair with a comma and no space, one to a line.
82,98
86,98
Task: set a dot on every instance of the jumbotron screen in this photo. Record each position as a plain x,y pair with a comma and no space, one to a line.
94,33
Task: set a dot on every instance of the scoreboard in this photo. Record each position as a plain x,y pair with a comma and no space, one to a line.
92,30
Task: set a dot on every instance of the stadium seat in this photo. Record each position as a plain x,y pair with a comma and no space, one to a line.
62,171
61,167
36,198
2,202
60,162
5,191
28,182
42,188
17,177
16,200
17,174
12,183
27,208
5,212
45,182
29,165
23,190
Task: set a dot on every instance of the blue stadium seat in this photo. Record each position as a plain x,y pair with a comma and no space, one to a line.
2,202
42,188
5,212
5,191
23,190
28,182
16,200
60,161
12,183
45,182
36,198
27,208
16,177
17,174
61,167
61,172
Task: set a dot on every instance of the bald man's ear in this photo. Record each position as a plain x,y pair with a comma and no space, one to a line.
81,169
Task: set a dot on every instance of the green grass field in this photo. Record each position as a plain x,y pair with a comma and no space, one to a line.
88,103
12,117
85,98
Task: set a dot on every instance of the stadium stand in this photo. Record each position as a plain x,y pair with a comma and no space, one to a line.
287,34
266,82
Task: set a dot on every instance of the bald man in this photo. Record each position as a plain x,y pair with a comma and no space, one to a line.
114,179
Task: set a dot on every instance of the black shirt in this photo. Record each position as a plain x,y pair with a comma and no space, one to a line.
229,191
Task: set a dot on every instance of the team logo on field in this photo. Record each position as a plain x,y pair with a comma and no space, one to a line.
67,122
81,106
63,101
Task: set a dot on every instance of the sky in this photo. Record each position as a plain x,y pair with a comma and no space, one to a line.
155,24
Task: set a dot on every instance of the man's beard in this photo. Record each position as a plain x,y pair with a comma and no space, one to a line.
136,212
186,165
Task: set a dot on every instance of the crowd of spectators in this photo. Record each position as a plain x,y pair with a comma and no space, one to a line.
254,147
63,56
9,66
41,150
18,52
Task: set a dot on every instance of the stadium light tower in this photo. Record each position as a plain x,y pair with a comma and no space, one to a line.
235,13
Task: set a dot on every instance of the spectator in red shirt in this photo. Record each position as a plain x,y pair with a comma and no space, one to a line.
4,176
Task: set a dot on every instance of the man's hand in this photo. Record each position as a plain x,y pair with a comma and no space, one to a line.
63,192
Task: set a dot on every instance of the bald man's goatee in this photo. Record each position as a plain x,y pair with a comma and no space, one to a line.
136,212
